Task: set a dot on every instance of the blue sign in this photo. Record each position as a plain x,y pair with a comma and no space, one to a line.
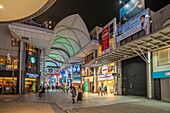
133,26
130,10
161,74
76,69
76,78
62,73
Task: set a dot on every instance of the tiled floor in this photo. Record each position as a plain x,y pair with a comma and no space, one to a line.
60,102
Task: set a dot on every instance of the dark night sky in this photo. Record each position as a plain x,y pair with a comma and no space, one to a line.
93,12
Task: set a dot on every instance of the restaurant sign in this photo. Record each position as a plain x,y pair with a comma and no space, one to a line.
105,77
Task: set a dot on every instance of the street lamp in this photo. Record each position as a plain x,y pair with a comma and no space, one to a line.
120,1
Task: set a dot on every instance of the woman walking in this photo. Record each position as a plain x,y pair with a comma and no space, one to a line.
79,97
73,94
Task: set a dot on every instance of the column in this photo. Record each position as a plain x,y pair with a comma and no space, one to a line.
149,75
95,79
44,67
20,65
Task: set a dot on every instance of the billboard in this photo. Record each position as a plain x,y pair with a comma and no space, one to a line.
135,25
130,10
105,36
105,40
76,69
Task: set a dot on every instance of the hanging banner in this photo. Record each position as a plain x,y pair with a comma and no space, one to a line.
130,10
133,26
105,40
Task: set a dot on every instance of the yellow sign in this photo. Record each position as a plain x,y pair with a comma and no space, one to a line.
100,50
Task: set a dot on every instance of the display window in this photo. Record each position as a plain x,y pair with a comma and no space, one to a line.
109,84
7,82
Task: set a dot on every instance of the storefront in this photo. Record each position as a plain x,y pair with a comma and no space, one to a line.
106,78
164,77
31,82
89,83
106,81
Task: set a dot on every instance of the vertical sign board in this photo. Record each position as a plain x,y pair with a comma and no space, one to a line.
33,87
86,87
105,40
130,10
133,26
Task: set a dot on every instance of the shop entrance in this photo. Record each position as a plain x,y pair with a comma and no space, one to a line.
6,85
109,84
30,85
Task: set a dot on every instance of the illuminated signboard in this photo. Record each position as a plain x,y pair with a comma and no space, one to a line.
76,69
104,69
105,77
32,59
30,75
161,74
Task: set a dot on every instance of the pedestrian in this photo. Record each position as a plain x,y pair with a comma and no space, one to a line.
73,94
40,91
83,89
105,89
93,89
43,91
79,97
13,90
63,88
98,90
102,90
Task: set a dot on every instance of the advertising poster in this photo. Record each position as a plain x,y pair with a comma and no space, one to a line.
131,9
76,69
105,40
133,26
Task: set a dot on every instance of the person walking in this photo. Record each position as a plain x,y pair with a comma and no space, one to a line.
79,97
105,89
93,89
43,91
102,90
98,90
73,94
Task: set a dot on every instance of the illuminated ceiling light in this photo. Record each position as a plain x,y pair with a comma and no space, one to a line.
49,27
1,7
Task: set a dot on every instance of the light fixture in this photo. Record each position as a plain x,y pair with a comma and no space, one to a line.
120,1
1,7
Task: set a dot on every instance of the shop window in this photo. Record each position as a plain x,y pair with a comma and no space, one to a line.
14,41
164,56
2,62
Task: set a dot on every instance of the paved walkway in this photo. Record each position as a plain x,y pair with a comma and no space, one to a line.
59,102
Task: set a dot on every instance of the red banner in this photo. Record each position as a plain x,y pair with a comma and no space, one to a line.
105,40
53,74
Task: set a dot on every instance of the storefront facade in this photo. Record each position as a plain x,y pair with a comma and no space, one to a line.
106,77
161,74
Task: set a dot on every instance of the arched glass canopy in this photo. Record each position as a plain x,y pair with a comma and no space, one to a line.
71,36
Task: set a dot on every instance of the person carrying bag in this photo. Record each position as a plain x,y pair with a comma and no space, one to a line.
73,94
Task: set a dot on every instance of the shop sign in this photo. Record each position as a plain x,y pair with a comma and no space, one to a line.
76,69
88,60
130,10
105,40
105,77
30,75
32,59
91,79
161,74
133,26
100,51
104,69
